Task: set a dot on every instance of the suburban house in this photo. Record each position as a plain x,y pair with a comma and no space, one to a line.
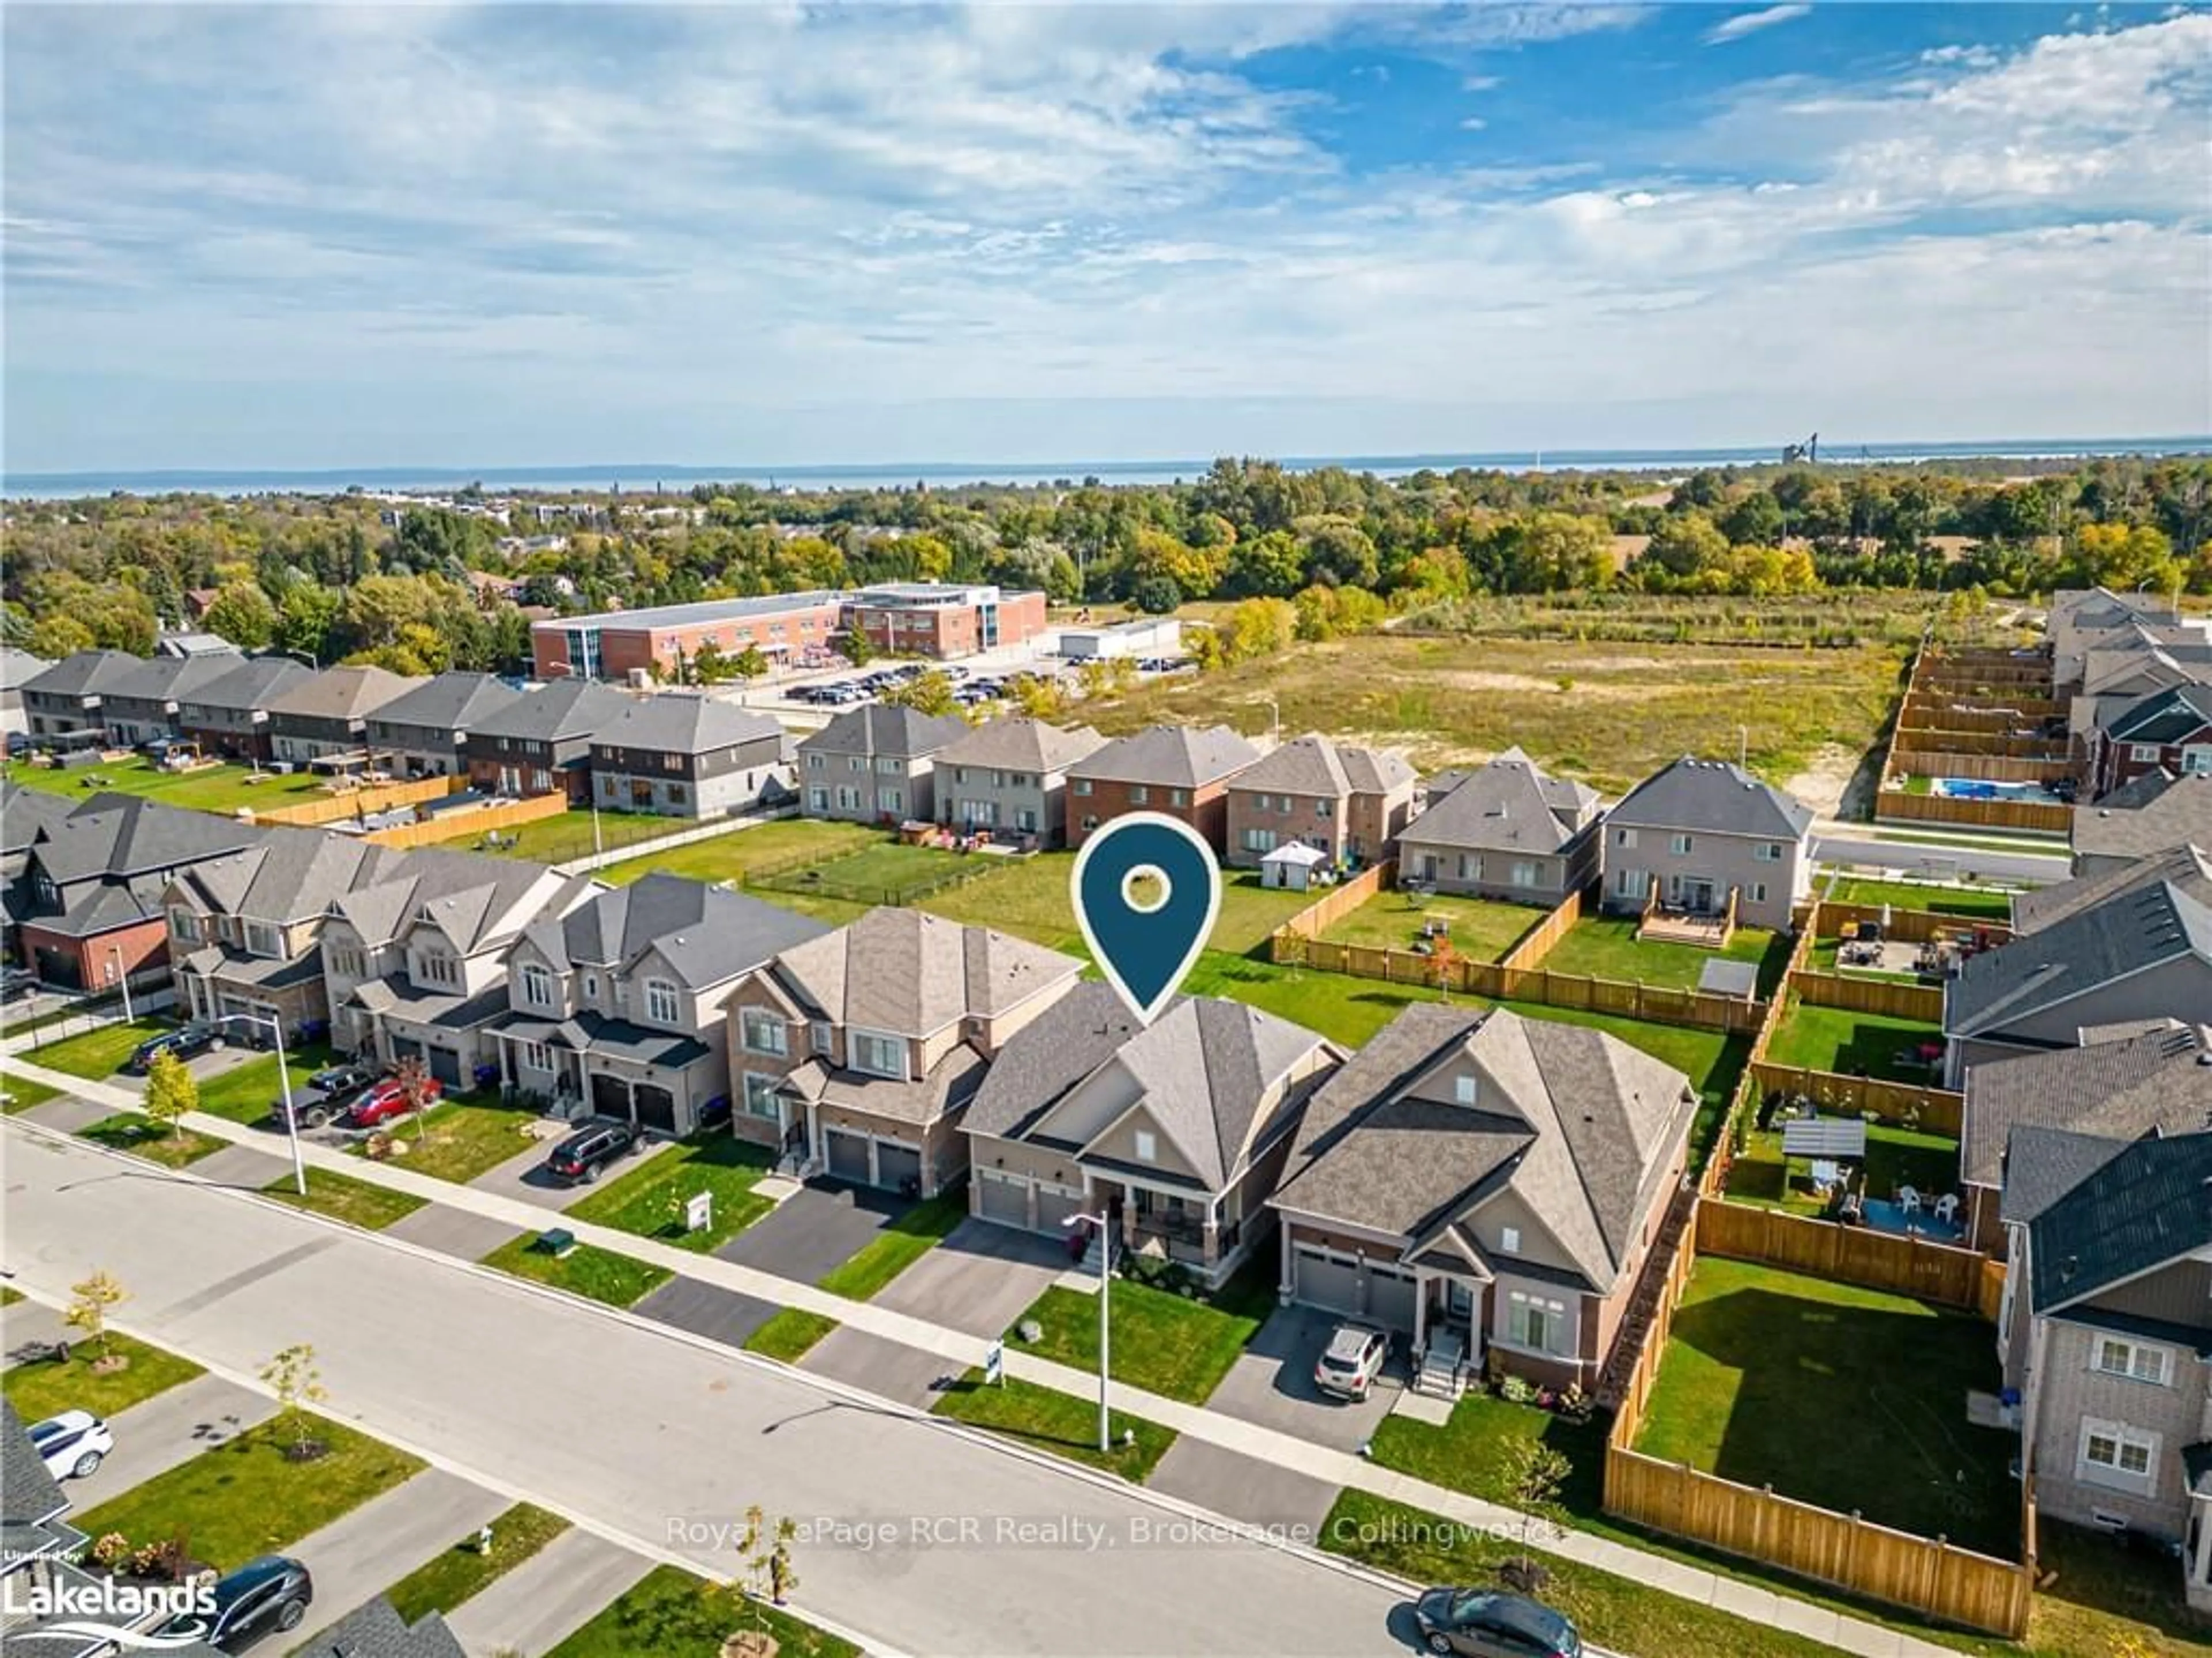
325,716
1488,1186
423,730
540,742
688,757
2188,867
1702,833
88,901
2155,812
40,1557
245,930
1180,771
1008,777
876,764
415,962
1175,1130
856,1054
67,697
2112,1277
1346,802
376,1630
2168,730
147,702
618,1008
1506,830
2139,955
17,669
2156,1080
228,717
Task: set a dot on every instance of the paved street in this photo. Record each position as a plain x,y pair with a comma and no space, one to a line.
1940,860
495,1378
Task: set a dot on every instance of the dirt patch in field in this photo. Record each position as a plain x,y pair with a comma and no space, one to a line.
1469,680
1827,780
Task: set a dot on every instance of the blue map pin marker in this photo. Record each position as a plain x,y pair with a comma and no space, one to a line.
1146,949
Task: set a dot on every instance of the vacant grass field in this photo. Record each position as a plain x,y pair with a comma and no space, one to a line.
96,1053
142,1137
789,1334
1756,1356
1029,898
1606,947
41,1390
897,1247
671,1614
1976,903
1162,1343
463,1570
249,1088
1481,929
245,1497
343,1198
649,1200
595,1274
213,788
1895,1156
1855,1044
729,857
1604,712
1056,1422
458,1139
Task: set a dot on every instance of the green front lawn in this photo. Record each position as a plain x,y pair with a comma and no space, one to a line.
246,1497
1606,947
1163,1343
459,1140
221,789
789,1334
897,1247
596,1274
464,1570
358,1202
1855,1045
1618,1612
672,1614
1470,1453
21,1093
141,1136
96,1053
1054,1422
40,1390
1482,930
649,1200
1757,1355
249,1091
729,857
1895,1156
1980,903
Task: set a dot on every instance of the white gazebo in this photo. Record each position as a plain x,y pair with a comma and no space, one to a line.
1293,866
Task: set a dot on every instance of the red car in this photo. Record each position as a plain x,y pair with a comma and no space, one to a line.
387,1099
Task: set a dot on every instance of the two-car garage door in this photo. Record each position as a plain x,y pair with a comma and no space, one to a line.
893,1164
1008,1199
1380,1292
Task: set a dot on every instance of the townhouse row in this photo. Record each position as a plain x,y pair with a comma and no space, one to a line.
2136,679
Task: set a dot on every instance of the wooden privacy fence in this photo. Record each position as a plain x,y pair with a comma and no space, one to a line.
1977,767
1902,1265
1537,943
1917,739
482,820
1887,997
1910,927
1931,1110
2031,817
1332,906
354,803
1953,712
1929,1575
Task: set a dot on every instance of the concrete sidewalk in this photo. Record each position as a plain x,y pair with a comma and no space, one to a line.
1263,1444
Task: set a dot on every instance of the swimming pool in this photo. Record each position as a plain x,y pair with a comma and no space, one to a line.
1967,788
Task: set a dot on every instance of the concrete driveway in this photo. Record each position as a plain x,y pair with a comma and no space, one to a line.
1244,1488
707,1309
887,1368
1272,1384
173,1426
980,1280
815,1228
523,1177
245,1167
456,1232
548,1597
364,1553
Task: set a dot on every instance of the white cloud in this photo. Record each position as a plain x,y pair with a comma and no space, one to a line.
1750,22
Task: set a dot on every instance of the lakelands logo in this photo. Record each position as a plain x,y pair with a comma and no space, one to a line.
102,1609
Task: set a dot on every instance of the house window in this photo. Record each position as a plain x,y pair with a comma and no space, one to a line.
184,925
890,800
1178,796
2145,751
1678,845
816,762
607,787
1757,893
817,799
1624,837
878,1056
1508,1239
760,1096
2113,1454
2197,760
1768,851
763,1033
660,1000
820,1038
1148,1147
439,969
537,986
1463,1088
1322,809
347,963
1524,875
1534,1321
1090,823
2139,1362
1139,794
1082,785
888,766
1259,840
592,985
676,795
535,1057
1624,882
262,939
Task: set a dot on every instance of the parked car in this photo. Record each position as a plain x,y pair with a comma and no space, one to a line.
271,1593
1492,1624
386,1099
1347,1367
186,1041
327,1094
585,1154
17,982
73,1444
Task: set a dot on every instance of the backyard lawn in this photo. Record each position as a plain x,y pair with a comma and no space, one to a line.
1056,1422
40,1390
1029,898
728,856
212,788
248,1090
649,1200
1980,903
897,1247
1856,1045
459,1140
586,1270
463,1570
246,1497
1481,930
1895,1156
789,1333
1606,947
671,1614
142,1137
884,873
342,1196
1164,1344
96,1053
1760,1360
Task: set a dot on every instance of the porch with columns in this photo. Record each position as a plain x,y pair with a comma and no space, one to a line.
1166,1221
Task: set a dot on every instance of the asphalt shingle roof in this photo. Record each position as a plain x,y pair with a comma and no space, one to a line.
174,678
31,1496
674,723
563,707
708,935
2165,716
376,1630
252,685
2177,814
1312,765
1015,743
2152,925
887,729
2188,867
909,973
84,673
447,702
1503,806
339,693
2137,1211
1171,756
2113,1090
1715,796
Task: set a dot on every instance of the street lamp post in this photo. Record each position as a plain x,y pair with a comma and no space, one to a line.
1099,1223
122,980
284,1081
1275,724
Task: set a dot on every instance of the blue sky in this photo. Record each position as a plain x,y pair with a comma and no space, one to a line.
315,236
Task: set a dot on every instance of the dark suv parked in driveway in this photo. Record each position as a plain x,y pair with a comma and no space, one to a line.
271,1593
585,1154
326,1095
185,1041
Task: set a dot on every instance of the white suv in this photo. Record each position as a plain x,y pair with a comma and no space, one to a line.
72,1444
1352,1361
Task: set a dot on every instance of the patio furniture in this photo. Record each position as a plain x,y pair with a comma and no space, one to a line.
1908,1200
1947,1208
1827,1173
